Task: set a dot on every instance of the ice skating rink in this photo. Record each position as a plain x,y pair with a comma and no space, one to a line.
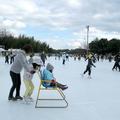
89,99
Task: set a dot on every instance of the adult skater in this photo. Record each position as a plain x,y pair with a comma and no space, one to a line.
30,61
63,57
19,62
88,68
43,57
117,61
6,58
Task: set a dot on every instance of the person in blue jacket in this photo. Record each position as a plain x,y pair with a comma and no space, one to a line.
50,81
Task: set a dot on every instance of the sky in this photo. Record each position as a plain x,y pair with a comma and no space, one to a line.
62,23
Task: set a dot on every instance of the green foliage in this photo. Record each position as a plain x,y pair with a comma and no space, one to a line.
72,51
114,46
103,46
10,41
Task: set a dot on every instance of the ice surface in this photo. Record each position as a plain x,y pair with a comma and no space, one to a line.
89,99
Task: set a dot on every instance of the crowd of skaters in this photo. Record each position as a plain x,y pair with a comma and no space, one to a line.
91,59
9,57
20,61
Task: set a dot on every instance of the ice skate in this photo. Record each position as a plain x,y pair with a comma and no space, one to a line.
82,75
18,98
89,77
12,99
30,99
26,100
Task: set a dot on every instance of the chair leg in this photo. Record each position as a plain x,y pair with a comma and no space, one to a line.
61,94
38,95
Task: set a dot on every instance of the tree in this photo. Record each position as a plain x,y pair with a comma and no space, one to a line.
10,41
114,46
103,46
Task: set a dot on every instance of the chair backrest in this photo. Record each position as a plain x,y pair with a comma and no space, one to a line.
44,81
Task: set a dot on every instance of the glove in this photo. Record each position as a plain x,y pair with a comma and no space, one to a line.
53,81
32,72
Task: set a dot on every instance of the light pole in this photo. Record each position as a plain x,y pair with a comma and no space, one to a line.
87,37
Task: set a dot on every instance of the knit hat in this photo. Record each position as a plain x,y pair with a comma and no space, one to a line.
38,61
49,67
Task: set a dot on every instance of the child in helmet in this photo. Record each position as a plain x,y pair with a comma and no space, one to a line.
50,81
27,78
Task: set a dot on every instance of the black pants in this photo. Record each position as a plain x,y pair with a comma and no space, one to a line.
63,61
116,65
43,60
16,83
88,69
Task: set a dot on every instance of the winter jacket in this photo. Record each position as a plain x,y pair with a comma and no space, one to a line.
43,57
90,64
63,57
20,62
27,75
47,75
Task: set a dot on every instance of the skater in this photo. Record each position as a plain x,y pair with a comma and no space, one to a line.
117,61
63,57
47,74
27,78
30,61
16,68
43,57
7,58
12,57
88,68
67,57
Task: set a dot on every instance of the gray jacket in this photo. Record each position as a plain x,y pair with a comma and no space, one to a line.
20,62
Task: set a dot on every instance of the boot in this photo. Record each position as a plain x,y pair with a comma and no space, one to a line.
64,87
19,98
12,98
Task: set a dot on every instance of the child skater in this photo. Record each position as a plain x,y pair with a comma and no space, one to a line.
88,68
27,78
50,81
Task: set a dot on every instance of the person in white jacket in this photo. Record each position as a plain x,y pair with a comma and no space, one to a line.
19,63
27,78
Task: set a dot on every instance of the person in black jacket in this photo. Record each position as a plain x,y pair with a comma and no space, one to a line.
43,57
88,68
117,61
